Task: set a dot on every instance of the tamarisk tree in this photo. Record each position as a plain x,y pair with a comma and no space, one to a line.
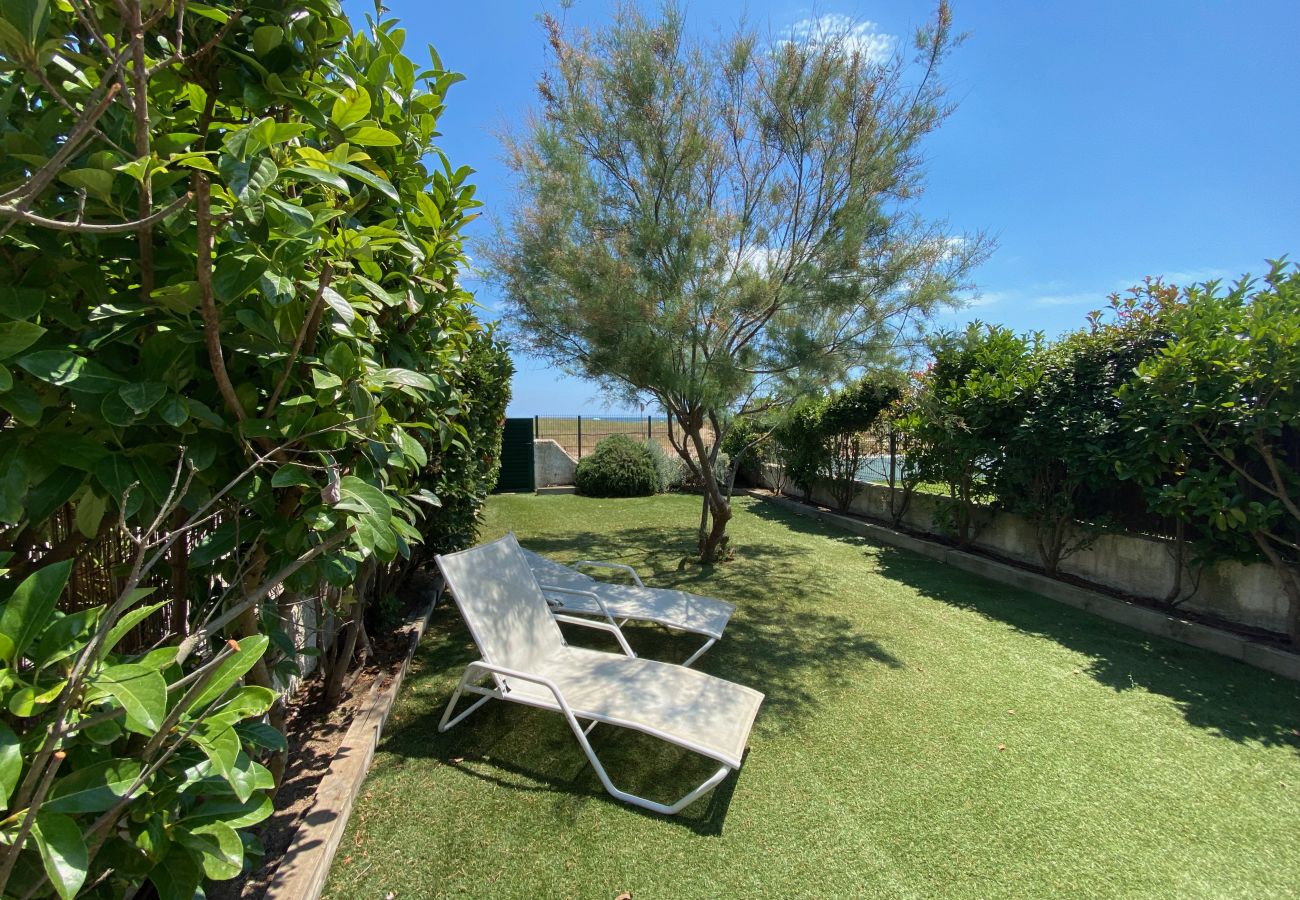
702,224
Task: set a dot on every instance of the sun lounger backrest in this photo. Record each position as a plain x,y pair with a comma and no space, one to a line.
502,604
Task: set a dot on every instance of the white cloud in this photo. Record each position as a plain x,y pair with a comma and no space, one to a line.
988,298
1078,298
856,36
762,259
1185,277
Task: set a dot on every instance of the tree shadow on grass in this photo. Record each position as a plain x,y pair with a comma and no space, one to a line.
532,751
776,642
1213,692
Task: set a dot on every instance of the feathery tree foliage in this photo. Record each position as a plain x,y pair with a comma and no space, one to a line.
714,226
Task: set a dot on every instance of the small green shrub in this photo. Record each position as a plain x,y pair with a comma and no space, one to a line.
618,467
799,442
749,440
689,483
671,469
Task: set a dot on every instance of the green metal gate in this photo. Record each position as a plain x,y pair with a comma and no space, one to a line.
516,457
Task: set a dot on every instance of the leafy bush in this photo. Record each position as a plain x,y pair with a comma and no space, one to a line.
749,444
672,471
618,467
972,398
229,312
799,441
124,767
1057,467
848,414
1216,414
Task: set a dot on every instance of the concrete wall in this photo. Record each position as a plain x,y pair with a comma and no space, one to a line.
1250,594
552,464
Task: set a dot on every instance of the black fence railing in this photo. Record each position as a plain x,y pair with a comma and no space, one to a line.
579,435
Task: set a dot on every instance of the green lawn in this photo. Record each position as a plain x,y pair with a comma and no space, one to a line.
925,733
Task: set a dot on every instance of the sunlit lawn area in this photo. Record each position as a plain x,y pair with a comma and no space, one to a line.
925,733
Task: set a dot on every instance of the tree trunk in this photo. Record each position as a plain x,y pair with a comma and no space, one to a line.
718,506
715,506
348,641
713,543
1290,577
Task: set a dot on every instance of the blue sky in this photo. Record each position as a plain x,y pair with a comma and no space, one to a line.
1098,142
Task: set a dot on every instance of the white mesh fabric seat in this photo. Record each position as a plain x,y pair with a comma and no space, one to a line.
691,709
525,655
568,590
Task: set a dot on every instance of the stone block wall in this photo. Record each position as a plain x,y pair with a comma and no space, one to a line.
1249,594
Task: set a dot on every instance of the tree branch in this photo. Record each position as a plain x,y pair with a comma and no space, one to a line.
309,326
18,215
208,298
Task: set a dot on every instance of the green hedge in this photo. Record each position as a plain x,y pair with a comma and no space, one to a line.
230,321
1176,410
618,467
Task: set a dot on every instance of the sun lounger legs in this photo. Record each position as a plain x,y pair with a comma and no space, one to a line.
477,670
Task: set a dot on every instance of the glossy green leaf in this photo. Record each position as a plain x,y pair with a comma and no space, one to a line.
66,636
404,377
262,735
63,852
95,788
11,763
90,513
235,274
220,743
20,302
174,410
247,180
329,179
290,474
358,496
366,177
15,337
339,304
53,492
248,777
235,813
96,182
350,108
26,613
370,136
177,875
250,700
116,411
133,617
224,856
230,671
64,368
141,691
266,38
141,396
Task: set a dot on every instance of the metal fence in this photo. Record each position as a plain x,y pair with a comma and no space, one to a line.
579,435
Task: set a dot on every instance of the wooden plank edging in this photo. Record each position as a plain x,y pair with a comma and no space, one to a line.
305,866
1152,621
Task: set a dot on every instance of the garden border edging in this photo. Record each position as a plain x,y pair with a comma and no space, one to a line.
1252,653
305,866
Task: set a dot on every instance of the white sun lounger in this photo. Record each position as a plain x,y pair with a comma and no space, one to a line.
570,591
527,661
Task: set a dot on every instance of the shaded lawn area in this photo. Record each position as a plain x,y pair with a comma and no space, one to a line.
926,732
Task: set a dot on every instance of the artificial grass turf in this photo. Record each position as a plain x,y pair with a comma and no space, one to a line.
926,733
